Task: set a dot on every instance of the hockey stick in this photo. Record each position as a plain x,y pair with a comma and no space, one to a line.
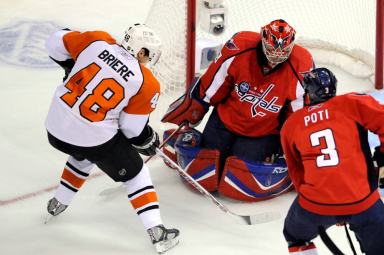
243,219
328,242
331,245
110,191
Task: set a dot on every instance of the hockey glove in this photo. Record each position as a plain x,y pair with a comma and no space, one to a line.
149,144
67,65
188,108
378,156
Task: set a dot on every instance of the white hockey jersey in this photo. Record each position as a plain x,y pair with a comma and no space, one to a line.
106,90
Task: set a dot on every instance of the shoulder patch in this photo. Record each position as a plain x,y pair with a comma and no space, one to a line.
230,45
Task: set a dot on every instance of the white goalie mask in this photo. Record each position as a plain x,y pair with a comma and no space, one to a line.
140,36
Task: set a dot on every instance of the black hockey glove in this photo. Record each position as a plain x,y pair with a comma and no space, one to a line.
147,142
378,156
67,65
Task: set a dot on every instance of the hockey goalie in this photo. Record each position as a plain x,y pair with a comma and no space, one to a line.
253,85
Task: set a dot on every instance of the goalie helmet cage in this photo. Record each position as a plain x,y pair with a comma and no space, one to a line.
344,33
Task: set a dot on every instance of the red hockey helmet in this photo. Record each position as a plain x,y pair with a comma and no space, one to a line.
277,39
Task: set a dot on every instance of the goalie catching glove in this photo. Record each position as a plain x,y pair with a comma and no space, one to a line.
147,142
188,108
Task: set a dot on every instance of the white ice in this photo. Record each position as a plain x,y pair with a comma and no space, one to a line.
93,224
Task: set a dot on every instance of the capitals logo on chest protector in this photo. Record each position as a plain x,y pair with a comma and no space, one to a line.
258,99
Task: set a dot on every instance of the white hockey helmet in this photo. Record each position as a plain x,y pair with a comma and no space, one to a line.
141,36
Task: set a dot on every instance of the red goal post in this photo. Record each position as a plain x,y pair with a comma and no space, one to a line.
379,80
344,33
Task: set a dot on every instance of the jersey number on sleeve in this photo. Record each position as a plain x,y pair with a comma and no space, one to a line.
154,100
329,155
106,95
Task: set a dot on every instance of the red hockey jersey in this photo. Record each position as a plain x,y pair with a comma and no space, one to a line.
248,101
328,156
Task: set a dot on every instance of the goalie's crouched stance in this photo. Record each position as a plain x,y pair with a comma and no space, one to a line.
239,179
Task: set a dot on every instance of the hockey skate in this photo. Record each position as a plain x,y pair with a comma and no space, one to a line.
162,238
54,208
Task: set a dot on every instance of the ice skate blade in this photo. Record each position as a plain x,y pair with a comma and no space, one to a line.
48,218
164,246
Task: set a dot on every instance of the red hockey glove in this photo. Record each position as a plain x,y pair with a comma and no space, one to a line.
188,108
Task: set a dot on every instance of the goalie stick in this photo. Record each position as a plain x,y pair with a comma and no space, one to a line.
242,219
111,191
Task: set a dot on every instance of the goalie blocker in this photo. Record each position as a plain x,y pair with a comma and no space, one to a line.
188,108
240,180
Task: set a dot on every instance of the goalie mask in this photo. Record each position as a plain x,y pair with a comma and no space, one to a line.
319,86
141,36
277,40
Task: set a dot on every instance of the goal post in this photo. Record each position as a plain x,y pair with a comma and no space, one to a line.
379,78
344,33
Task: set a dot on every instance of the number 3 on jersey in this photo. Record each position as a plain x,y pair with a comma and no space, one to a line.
106,95
329,155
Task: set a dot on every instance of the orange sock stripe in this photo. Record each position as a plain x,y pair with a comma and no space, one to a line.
72,179
146,198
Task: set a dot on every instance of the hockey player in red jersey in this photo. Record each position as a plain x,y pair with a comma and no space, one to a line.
329,161
99,116
253,85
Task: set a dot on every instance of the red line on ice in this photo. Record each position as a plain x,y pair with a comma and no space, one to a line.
39,192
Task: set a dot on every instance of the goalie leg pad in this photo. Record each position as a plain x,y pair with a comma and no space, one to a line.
200,163
253,181
202,168
169,146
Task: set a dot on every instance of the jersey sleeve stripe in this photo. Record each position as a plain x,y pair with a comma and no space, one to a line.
223,60
218,79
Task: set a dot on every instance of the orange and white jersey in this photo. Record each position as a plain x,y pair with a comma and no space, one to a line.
106,90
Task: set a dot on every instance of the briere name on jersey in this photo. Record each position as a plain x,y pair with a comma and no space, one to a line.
114,63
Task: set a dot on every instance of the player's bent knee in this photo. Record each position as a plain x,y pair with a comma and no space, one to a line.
200,163
253,181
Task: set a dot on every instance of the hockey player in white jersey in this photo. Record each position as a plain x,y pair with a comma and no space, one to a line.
99,116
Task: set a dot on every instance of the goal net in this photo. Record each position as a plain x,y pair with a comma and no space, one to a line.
341,33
